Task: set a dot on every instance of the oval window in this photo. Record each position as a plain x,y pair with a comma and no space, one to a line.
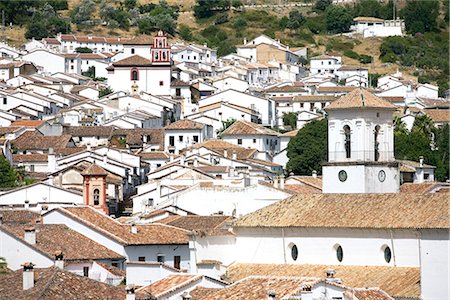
342,175
339,254
294,252
387,254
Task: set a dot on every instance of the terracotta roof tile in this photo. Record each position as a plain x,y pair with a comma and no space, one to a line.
35,157
371,294
241,127
135,136
15,217
425,187
315,98
220,146
87,131
166,285
95,169
32,140
200,292
55,284
185,124
151,234
154,155
356,98
368,19
335,89
438,115
396,210
27,123
209,225
286,89
58,237
132,61
315,182
399,282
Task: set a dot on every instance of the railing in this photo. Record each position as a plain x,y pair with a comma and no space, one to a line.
335,156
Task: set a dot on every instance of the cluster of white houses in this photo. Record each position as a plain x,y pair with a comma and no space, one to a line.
174,181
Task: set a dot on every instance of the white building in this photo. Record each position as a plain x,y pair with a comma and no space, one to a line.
371,27
324,64
360,145
185,133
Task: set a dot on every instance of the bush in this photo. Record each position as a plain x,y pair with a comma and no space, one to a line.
221,18
185,33
336,45
239,23
83,50
322,4
296,19
338,19
82,13
365,59
351,54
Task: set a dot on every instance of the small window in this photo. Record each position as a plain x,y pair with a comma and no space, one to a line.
267,141
115,264
254,141
426,176
339,253
86,271
132,50
96,197
5,101
195,137
134,75
141,258
239,141
294,252
387,254
180,138
161,83
171,141
178,92
160,258
219,176
176,262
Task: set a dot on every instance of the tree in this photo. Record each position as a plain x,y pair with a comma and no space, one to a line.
308,149
322,4
105,91
338,19
37,30
83,12
296,19
421,15
8,177
83,50
368,8
290,119
185,33
442,154
90,72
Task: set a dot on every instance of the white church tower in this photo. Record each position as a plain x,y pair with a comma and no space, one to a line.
360,145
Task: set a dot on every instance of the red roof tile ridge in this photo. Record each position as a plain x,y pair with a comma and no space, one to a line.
193,277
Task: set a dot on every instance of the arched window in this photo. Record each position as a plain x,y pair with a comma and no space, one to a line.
347,141
134,75
156,55
387,253
339,252
164,55
96,197
376,144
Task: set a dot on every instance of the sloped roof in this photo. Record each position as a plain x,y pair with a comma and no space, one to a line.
399,282
95,169
396,210
87,131
166,285
55,284
220,147
439,115
210,225
359,98
32,140
241,127
132,61
367,19
27,123
185,124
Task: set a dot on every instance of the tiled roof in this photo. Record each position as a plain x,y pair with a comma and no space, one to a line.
356,98
27,123
300,188
220,146
315,182
399,282
286,89
200,292
177,82
154,155
32,140
55,284
323,57
290,133
367,19
151,234
395,210
241,127
135,136
139,40
351,68
185,124
87,131
335,89
9,129
35,157
94,169
315,98
213,169
209,225
425,187
439,115
133,61
166,285
58,237
258,287
370,294
15,217
414,164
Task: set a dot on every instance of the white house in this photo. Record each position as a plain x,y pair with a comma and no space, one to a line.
375,27
185,133
324,64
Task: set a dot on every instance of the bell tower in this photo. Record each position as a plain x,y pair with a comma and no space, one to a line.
94,187
360,145
160,48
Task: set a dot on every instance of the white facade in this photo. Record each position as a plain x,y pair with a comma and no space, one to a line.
373,27
50,62
153,80
325,64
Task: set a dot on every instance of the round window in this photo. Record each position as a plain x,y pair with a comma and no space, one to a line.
294,252
387,254
342,175
339,253
381,176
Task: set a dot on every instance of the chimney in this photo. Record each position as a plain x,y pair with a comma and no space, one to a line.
27,204
271,295
225,153
186,296
28,275
234,156
330,273
245,41
130,292
134,229
195,161
88,147
314,174
30,235
275,182
170,157
59,260
44,209
421,161
281,181
51,161
182,160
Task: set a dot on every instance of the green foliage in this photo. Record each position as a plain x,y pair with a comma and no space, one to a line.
8,176
105,91
207,8
20,12
185,33
336,45
45,22
156,17
365,59
316,25
296,19
351,54
115,18
239,24
322,4
290,119
225,124
90,72
372,8
424,140
338,19
221,18
421,15
217,37
373,79
83,50
83,12
308,149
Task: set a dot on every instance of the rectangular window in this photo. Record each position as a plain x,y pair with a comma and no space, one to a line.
267,142
219,176
178,92
86,271
195,138
176,261
71,67
141,258
160,258
171,141
180,138
426,176
115,264
5,101
254,141
301,105
161,83
239,141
